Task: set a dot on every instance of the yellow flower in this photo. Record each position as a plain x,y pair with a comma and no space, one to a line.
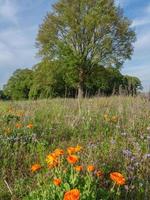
106,118
51,161
58,152
114,119
78,148
73,150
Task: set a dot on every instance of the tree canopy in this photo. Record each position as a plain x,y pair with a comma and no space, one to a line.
82,34
83,45
18,86
46,79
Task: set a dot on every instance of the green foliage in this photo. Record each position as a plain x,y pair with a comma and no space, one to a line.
50,79
132,84
19,84
85,34
3,96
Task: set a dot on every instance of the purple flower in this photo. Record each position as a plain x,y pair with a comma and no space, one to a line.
126,152
146,156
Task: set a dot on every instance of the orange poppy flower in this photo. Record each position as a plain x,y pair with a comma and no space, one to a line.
59,152
90,168
18,125
35,167
30,126
117,178
57,181
72,195
78,168
72,159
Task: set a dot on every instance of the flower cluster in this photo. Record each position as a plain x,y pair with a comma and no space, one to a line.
67,170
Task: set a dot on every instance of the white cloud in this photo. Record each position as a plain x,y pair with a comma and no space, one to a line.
17,48
143,42
8,10
141,21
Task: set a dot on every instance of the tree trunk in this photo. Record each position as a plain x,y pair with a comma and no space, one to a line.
80,84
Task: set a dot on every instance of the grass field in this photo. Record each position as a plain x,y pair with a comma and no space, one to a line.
108,135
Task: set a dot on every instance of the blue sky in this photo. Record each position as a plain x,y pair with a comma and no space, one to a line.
19,22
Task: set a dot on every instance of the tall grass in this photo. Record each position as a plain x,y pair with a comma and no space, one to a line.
114,133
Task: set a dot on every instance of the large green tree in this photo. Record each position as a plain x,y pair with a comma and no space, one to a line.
19,84
82,34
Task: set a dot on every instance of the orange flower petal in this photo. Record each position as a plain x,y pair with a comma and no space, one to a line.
72,195
118,178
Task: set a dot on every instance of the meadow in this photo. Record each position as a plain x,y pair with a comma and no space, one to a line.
71,149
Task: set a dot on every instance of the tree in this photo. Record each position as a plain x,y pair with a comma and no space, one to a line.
19,84
3,96
82,34
48,81
132,85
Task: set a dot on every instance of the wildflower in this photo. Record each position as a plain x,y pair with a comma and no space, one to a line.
127,152
117,178
114,119
106,118
146,156
73,194
90,168
99,173
59,152
78,168
72,159
57,181
18,125
51,161
78,148
72,150
30,126
35,167
50,158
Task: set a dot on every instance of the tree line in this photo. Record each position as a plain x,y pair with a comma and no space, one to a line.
46,80
83,45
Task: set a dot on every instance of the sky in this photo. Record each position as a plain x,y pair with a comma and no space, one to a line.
20,20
